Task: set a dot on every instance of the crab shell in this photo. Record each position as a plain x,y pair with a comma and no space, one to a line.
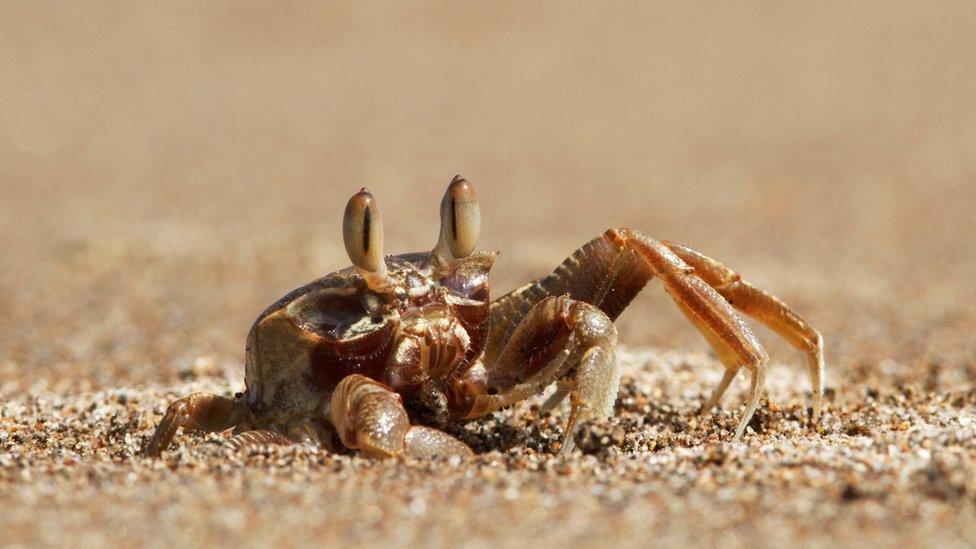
302,346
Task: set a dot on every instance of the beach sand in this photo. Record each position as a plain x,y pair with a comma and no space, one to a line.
166,173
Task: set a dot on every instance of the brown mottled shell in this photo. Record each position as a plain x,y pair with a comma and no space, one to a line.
346,329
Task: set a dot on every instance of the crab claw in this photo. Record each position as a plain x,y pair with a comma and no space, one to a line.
460,221
362,231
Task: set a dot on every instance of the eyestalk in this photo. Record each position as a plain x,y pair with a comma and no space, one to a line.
460,221
362,232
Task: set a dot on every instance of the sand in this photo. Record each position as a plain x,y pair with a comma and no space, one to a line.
166,173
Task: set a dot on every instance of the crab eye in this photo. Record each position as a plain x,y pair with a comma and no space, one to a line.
460,218
362,231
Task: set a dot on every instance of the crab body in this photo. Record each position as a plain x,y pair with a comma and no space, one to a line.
418,338
377,357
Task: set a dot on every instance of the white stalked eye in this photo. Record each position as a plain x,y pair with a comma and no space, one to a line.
362,231
460,218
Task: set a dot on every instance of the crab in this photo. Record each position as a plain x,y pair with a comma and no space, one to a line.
380,357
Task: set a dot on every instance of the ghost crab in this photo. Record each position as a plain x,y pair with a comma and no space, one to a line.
351,358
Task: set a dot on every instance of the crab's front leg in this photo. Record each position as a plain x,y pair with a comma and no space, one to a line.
370,417
559,338
199,411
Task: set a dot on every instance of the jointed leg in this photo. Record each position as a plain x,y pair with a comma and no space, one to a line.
734,342
198,411
250,439
720,389
597,384
765,308
733,362
429,443
728,357
313,432
370,417
610,270
563,388
557,335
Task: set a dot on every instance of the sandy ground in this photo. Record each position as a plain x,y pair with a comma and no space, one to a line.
167,173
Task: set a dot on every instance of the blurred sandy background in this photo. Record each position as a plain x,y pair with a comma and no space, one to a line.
168,171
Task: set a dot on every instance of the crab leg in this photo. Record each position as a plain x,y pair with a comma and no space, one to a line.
609,271
709,312
198,411
559,334
563,388
250,439
723,385
370,417
765,308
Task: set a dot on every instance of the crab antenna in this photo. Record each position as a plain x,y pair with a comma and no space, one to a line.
362,232
460,221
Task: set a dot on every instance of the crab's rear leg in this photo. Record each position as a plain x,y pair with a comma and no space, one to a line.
728,358
370,417
199,411
610,270
709,311
559,336
765,308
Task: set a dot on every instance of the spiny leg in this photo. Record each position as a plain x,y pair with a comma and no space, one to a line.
765,308
370,417
558,335
198,411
